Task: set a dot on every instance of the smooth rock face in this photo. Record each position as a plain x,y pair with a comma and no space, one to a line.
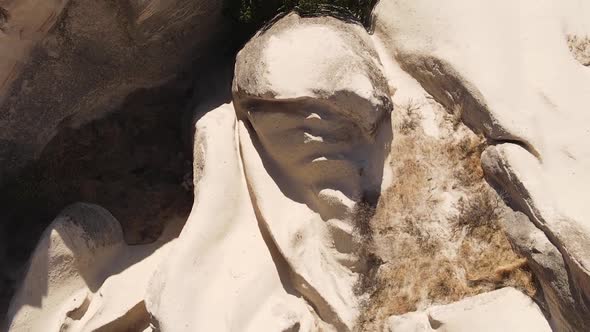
83,277
518,83
562,293
242,262
270,244
326,108
221,275
320,123
67,62
505,309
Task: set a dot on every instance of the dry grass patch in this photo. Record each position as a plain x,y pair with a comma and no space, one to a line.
485,253
412,117
478,215
437,228
580,48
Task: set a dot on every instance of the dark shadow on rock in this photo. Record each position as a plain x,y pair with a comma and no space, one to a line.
136,162
94,250
354,156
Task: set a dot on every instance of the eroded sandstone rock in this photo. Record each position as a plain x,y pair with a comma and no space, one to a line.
83,276
320,123
64,63
272,242
517,83
505,309
274,231
565,299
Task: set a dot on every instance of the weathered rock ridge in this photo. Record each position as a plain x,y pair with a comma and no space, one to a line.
315,207
530,108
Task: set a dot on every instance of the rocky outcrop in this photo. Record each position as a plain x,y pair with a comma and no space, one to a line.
312,143
64,63
291,97
324,133
565,299
223,273
505,309
87,88
452,48
314,146
283,233
82,276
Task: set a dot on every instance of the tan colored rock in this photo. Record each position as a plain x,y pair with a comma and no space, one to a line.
560,289
271,242
64,63
82,276
517,83
221,274
505,309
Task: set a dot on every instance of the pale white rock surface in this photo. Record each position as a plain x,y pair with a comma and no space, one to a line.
222,275
83,276
507,66
64,63
505,309
270,243
320,58
315,133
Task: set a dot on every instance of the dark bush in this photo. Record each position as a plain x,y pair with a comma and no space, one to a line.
251,15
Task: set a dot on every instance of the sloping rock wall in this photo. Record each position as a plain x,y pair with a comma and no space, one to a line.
518,83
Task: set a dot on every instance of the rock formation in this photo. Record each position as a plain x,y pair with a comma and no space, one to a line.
523,108
314,147
83,277
348,185
64,63
512,310
297,269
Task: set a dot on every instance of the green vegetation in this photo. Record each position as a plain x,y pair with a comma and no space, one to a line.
253,14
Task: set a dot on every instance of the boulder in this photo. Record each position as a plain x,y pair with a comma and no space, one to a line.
505,309
310,74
